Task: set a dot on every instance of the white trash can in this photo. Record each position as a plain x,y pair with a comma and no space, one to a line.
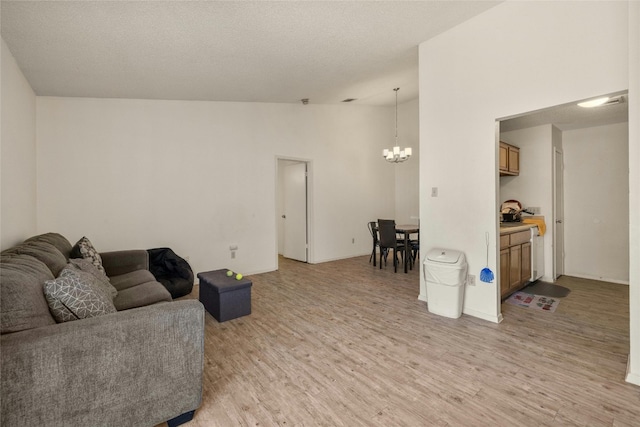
445,274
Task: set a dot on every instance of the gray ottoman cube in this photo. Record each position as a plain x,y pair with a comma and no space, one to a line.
225,297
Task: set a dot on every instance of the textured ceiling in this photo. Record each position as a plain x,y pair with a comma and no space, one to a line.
254,51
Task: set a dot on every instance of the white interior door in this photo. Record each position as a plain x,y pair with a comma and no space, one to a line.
558,214
295,211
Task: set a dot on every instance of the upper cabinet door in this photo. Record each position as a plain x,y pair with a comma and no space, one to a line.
509,159
504,157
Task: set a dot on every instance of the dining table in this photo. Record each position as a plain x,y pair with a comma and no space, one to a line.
407,230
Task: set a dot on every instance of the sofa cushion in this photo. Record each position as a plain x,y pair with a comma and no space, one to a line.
84,249
45,252
22,303
129,280
26,264
57,240
75,295
141,295
86,266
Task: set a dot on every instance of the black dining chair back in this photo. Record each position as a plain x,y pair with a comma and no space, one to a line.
389,241
415,249
373,229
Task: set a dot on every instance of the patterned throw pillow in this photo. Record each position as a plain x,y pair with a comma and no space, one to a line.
89,273
71,298
84,249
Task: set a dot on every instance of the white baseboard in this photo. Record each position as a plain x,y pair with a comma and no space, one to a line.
260,271
320,261
631,377
470,312
483,316
600,279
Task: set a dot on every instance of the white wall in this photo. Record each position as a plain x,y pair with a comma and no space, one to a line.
596,202
501,64
407,173
534,185
18,154
517,57
201,176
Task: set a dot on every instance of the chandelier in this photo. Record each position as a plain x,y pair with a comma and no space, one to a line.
396,154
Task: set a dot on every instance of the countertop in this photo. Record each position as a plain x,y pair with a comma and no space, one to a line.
514,227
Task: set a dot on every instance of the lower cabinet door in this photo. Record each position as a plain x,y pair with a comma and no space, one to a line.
504,272
515,266
525,271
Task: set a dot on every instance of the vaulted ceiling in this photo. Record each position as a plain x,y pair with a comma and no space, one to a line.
248,51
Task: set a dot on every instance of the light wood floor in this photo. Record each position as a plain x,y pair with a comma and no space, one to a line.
346,344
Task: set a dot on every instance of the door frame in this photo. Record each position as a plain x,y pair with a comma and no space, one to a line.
558,198
277,213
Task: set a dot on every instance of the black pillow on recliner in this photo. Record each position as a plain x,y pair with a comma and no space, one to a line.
171,270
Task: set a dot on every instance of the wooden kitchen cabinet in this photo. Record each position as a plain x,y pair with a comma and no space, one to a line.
504,272
515,266
509,159
504,157
525,268
515,261
505,266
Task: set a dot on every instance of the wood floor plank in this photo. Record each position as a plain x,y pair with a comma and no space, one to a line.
346,344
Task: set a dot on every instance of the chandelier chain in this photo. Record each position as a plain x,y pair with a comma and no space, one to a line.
396,91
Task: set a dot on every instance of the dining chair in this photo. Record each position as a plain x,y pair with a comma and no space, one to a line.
373,229
388,241
414,249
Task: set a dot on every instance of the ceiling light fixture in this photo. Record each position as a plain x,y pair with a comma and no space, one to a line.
396,154
601,101
593,102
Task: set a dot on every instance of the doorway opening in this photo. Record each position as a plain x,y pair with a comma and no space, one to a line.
292,209
559,148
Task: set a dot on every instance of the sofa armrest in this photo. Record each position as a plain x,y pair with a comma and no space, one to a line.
138,367
121,262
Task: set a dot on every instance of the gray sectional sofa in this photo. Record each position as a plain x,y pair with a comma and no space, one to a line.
138,366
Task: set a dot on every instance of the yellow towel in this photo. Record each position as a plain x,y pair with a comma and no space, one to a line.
537,221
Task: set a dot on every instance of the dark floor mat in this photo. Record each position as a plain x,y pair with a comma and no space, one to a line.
547,289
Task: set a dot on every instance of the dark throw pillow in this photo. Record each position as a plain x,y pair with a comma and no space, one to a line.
84,249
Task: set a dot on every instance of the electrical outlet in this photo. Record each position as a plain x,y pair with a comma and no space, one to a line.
471,280
534,209
233,254
353,240
434,191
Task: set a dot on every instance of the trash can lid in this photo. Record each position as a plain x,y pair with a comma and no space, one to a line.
447,256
